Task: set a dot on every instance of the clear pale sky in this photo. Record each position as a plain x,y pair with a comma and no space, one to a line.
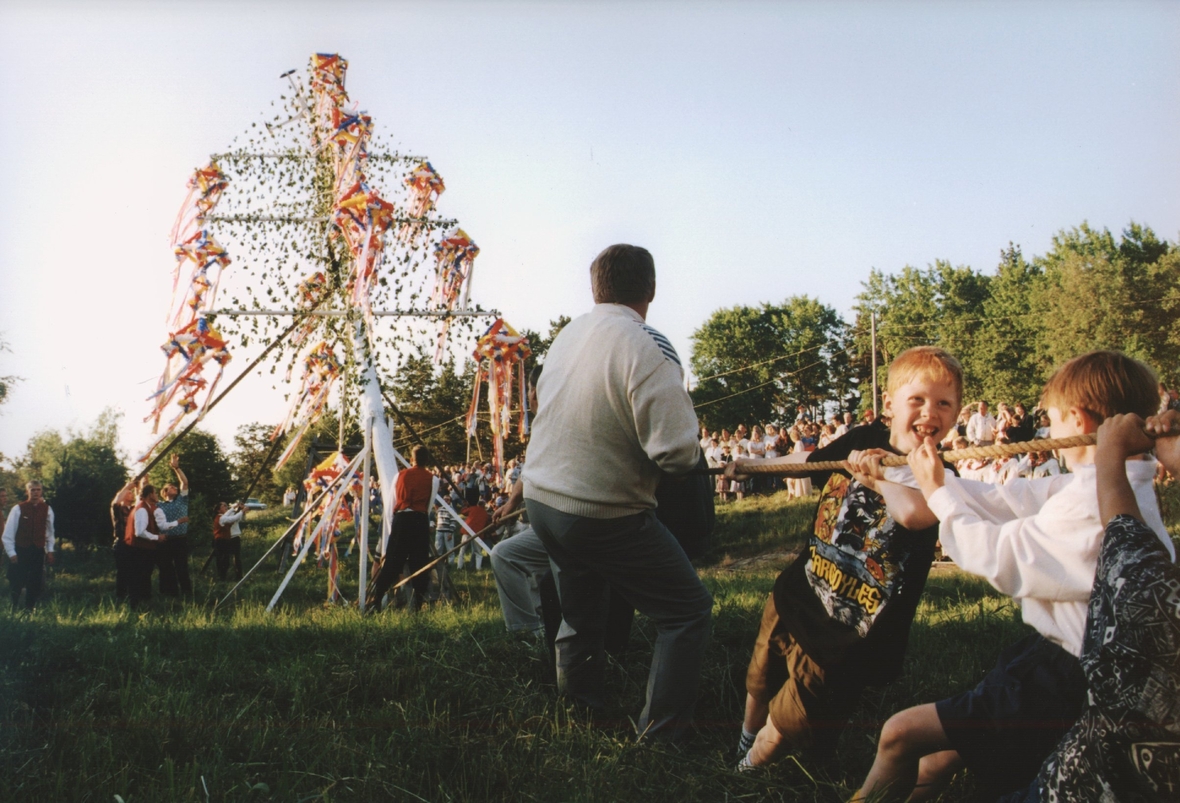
759,150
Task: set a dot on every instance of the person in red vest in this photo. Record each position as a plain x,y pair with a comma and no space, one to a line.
409,538
28,541
146,528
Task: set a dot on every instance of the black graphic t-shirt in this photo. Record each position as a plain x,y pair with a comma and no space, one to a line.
850,597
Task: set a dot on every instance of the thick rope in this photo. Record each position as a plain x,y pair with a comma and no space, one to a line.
998,450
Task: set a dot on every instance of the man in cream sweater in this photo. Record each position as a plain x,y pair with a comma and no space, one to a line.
613,415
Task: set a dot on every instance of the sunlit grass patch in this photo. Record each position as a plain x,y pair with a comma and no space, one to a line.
315,702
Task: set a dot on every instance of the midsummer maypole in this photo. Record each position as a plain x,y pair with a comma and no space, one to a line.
334,277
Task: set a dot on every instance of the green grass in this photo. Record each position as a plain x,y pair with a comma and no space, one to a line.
760,525
179,702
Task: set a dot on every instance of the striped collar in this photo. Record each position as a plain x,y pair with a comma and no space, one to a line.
622,310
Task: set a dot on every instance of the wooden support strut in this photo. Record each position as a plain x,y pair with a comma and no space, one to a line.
308,509
752,467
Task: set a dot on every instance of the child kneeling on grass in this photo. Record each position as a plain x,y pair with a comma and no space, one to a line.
1037,541
839,617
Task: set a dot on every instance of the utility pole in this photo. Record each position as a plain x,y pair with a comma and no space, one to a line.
873,335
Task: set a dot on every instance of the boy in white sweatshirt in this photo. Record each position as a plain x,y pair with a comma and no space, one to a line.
1037,541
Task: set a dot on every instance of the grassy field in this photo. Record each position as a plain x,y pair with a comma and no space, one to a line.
178,702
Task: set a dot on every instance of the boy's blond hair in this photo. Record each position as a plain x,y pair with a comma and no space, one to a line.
926,361
1103,383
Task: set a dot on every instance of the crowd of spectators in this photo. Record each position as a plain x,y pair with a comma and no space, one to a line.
768,440
476,490
977,425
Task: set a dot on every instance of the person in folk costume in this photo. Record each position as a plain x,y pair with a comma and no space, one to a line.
28,542
227,538
409,537
172,555
121,507
146,528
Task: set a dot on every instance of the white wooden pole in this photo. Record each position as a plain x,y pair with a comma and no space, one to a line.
364,522
373,409
348,473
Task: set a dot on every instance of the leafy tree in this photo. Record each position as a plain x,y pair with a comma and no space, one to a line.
1161,319
451,397
763,363
849,369
1005,360
1099,292
6,382
961,293
1082,302
941,305
42,458
90,475
252,457
321,438
435,402
1092,290
81,473
539,346
11,482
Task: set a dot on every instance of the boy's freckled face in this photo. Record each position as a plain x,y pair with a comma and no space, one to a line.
923,407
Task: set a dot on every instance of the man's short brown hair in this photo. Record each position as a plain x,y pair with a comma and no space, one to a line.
623,274
1104,383
421,456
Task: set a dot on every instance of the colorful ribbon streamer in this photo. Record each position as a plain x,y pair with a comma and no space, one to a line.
331,515
321,369
192,342
454,261
505,350
425,186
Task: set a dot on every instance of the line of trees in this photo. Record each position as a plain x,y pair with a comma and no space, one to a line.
1009,328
